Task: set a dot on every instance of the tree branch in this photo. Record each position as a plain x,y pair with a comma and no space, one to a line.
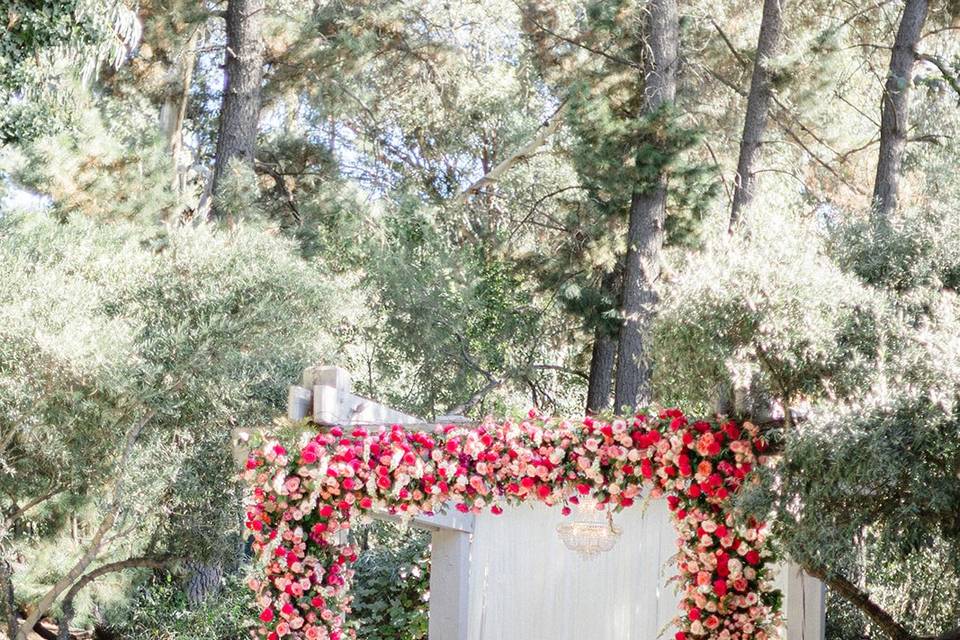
475,399
944,70
15,515
145,562
96,543
547,129
860,599
554,367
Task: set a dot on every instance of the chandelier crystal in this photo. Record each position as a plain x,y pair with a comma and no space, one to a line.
591,531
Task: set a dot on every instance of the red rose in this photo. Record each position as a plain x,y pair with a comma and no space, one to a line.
646,468
694,613
287,609
326,511
267,615
543,491
720,587
584,489
317,602
496,509
528,482
752,557
366,503
732,431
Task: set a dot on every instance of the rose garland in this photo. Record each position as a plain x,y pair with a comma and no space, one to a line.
302,502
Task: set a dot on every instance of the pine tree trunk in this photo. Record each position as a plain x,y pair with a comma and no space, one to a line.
647,219
758,100
240,108
895,108
604,352
601,370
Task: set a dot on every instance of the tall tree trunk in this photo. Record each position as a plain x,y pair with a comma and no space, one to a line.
604,350
647,218
895,108
755,122
173,109
601,370
204,581
240,108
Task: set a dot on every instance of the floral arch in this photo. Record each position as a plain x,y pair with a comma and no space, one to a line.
302,501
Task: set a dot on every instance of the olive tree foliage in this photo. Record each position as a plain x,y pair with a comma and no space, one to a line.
766,311
128,354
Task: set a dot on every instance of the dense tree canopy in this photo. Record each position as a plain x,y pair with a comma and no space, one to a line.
477,206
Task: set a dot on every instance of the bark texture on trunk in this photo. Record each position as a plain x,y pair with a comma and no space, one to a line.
895,108
758,101
601,370
604,353
204,581
647,218
240,108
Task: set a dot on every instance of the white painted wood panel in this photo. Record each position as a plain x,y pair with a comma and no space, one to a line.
525,584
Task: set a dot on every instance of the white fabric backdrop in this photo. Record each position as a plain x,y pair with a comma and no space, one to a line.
525,585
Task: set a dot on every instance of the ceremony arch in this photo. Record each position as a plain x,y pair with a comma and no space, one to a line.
303,499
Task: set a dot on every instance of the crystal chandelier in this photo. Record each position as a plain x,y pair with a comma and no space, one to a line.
591,531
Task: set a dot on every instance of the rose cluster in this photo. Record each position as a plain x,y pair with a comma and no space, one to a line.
302,502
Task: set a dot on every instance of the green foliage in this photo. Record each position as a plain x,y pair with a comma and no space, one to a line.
158,610
110,164
192,331
392,583
45,45
767,308
916,255
903,586
376,116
